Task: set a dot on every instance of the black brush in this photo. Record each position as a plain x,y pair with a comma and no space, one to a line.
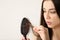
25,25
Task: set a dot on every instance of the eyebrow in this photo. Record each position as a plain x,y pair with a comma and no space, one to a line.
50,9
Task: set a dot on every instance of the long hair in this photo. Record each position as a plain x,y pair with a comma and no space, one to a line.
42,22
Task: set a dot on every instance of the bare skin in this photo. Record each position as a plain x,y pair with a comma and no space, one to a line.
42,31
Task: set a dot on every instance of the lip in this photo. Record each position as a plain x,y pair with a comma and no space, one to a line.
49,23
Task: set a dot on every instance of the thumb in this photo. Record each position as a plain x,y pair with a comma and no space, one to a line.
28,39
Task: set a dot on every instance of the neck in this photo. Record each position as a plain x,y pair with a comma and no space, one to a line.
56,33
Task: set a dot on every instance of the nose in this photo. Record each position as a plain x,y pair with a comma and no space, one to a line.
47,15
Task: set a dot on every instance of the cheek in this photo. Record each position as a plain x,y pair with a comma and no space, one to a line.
55,20
44,15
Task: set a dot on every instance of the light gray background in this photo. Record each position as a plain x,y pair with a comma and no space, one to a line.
11,14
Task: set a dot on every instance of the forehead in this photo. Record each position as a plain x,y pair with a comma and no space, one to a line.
48,5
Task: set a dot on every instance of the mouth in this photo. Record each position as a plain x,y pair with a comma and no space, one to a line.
49,23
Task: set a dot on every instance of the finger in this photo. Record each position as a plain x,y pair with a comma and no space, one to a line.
43,28
28,39
22,37
40,28
35,29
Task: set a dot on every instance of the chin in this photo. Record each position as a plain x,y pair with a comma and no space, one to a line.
50,26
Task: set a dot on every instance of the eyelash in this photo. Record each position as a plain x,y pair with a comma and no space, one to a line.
51,12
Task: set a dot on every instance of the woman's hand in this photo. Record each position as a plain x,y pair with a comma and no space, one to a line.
42,31
23,38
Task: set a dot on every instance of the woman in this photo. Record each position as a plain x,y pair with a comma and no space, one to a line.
50,20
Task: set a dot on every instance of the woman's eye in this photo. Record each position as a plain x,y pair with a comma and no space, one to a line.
52,11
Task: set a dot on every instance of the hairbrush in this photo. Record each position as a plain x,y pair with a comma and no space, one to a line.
25,25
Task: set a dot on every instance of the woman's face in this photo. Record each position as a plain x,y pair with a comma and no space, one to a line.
50,14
